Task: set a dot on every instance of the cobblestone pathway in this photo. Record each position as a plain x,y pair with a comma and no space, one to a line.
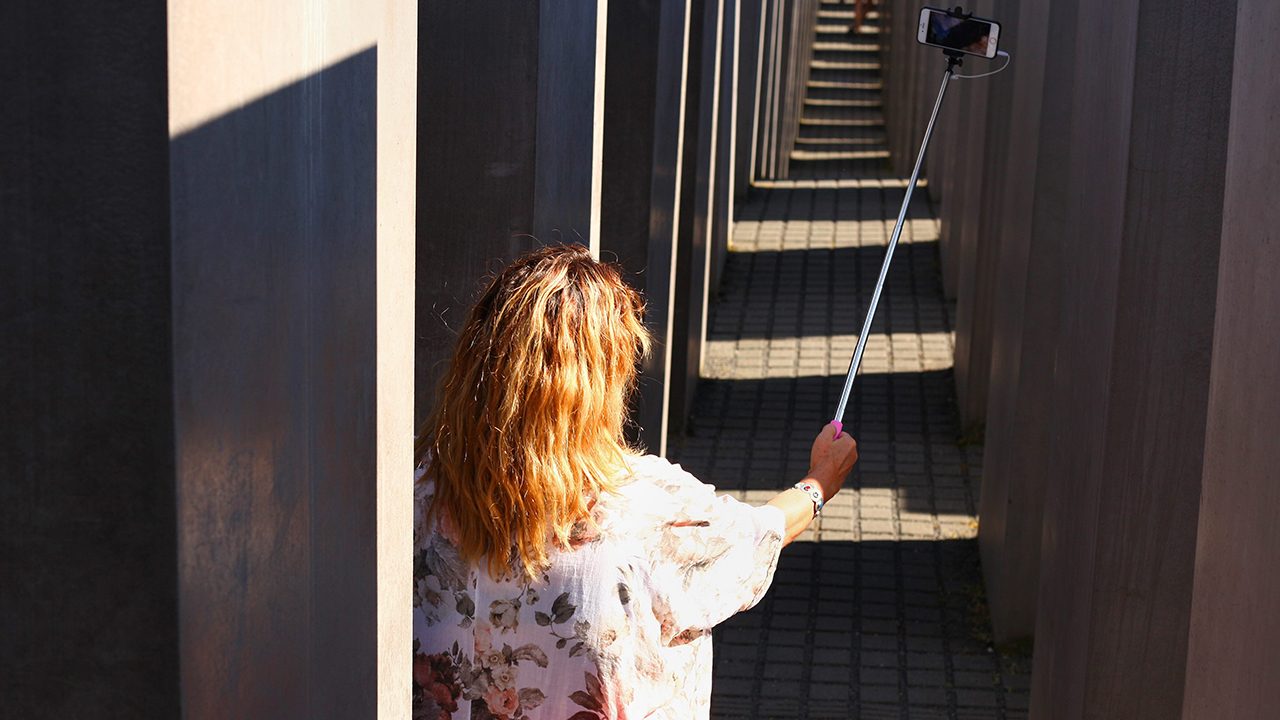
877,611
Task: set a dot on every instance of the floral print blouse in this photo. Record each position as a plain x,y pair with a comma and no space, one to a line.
618,627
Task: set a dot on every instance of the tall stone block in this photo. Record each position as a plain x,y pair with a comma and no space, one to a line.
511,116
961,211
697,189
1012,500
911,75
785,51
644,114
212,218
975,306
764,142
570,120
1131,381
292,175
800,17
89,613
750,43
724,194
945,169
1232,666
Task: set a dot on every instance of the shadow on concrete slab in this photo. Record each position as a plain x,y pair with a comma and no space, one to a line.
869,629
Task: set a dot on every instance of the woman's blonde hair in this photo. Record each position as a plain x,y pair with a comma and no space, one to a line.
528,424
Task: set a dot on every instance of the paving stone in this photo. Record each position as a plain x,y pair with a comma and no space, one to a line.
879,659
972,679
880,693
927,695
976,698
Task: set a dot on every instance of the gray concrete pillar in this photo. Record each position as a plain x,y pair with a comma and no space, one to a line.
1233,669
908,68
750,43
640,207
1137,277
212,220
570,120
511,115
984,109
725,170
977,309
698,177
89,613
944,169
935,162
292,181
765,141
786,49
1012,499
800,17
956,168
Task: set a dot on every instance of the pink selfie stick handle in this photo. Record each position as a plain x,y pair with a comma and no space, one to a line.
839,428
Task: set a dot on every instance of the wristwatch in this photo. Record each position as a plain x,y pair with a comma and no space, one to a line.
814,492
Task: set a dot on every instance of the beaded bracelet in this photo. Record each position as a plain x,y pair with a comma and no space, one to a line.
814,492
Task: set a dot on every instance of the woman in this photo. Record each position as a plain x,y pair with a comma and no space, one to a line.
558,572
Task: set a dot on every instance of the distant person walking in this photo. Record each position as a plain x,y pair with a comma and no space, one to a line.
860,10
558,572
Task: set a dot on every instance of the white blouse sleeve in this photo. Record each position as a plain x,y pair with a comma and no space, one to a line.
710,556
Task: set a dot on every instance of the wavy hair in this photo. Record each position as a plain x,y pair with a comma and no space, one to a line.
528,424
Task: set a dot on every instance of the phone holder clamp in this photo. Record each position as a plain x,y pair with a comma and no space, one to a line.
955,58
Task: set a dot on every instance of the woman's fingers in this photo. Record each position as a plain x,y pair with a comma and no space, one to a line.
846,448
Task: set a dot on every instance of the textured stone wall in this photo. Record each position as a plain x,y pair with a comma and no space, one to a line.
511,112
1105,236
1233,669
292,175
644,101
210,336
231,230
89,613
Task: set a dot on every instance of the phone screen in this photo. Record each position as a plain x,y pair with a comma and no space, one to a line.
968,35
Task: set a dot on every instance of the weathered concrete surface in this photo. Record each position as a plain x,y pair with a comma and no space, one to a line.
1233,669
88,614
292,236
976,316
750,42
786,53
702,95
796,49
724,171
510,109
570,119
1131,380
1013,475
966,245
640,208
277,280
212,222
912,73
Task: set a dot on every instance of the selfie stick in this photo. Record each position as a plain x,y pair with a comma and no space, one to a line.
954,58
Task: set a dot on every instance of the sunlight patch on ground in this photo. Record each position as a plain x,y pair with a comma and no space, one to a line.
748,359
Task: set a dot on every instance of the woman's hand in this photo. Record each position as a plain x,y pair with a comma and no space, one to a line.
829,464
831,459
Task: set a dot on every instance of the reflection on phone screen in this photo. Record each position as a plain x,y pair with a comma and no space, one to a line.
969,36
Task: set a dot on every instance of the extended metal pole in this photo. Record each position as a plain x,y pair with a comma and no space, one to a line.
888,256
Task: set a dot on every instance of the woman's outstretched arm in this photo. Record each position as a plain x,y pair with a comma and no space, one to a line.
830,461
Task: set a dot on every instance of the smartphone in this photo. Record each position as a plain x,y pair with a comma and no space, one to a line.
971,35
